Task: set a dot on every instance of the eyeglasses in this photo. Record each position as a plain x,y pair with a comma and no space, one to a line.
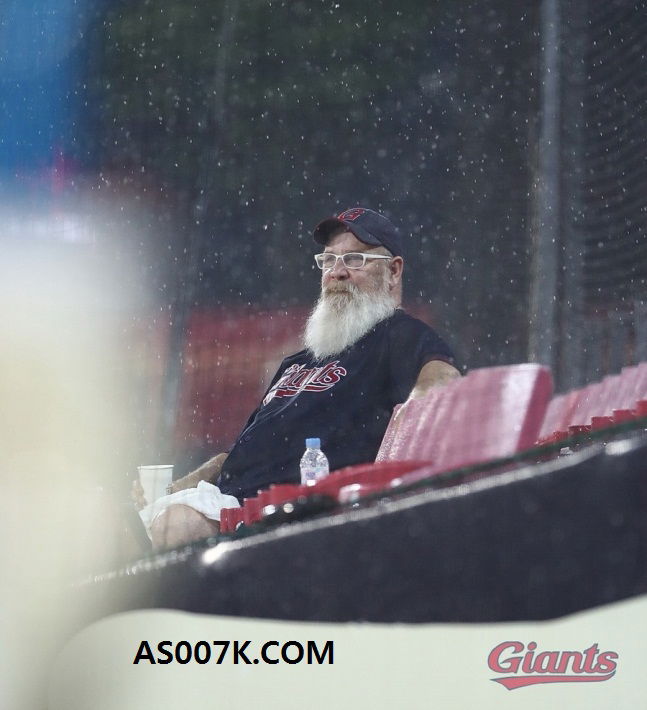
352,260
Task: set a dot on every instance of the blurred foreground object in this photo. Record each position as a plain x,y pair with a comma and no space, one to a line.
63,434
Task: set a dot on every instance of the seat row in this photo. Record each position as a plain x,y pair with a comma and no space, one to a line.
613,400
488,414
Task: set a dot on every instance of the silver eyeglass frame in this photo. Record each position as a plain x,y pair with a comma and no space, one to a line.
320,257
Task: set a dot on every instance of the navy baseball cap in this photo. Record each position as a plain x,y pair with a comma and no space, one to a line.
368,226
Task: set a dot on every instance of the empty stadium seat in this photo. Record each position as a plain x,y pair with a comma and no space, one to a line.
613,400
490,413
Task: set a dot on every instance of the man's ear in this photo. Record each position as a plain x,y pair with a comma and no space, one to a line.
396,266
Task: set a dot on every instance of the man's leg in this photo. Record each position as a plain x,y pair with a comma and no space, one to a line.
180,525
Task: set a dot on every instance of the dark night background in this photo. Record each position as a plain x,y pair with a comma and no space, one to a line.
197,144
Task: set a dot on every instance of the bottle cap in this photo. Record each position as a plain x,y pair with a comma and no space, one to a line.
313,443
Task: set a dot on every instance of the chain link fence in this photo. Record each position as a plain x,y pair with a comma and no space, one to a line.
599,174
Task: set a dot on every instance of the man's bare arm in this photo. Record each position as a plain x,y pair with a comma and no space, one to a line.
209,471
432,374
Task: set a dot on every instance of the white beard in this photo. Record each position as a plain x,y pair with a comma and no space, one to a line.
342,315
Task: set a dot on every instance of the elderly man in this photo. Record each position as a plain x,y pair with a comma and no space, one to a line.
363,355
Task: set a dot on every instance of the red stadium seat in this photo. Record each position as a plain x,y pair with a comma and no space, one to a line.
558,414
230,518
491,413
369,474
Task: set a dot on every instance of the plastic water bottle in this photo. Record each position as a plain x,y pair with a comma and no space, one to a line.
314,464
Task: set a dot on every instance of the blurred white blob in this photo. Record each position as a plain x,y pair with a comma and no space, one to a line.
61,435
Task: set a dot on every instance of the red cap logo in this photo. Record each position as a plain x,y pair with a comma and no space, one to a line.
351,215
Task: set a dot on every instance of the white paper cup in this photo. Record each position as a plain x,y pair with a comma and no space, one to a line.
154,480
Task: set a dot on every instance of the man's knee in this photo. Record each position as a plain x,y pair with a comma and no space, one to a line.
179,525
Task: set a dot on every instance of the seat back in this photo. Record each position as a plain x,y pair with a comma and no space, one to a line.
490,413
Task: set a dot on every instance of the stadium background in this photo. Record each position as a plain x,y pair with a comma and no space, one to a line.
190,149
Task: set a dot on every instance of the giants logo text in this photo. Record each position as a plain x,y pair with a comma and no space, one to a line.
522,666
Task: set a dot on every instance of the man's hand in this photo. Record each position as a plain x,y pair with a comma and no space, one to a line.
137,495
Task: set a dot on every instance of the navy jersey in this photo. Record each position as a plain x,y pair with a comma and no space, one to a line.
346,400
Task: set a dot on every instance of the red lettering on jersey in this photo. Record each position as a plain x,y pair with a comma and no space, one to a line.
324,378
299,378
